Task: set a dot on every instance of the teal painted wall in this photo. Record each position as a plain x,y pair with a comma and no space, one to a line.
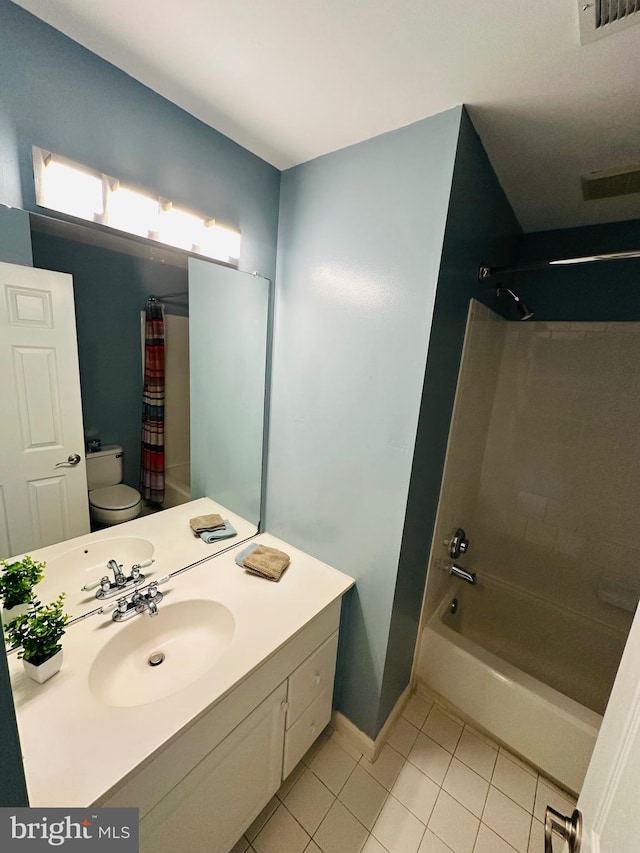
591,292
15,237
110,290
359,246
480,224
61,97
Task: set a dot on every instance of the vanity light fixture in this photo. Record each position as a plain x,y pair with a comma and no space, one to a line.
77,190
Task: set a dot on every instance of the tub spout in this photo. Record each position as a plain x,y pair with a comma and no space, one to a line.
459,572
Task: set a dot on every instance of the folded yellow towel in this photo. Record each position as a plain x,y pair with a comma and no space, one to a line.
203,523
267,562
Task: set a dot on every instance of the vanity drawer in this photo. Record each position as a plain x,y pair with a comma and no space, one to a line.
312,678
306,729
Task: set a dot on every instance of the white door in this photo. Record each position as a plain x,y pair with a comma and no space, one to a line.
43,489
609,798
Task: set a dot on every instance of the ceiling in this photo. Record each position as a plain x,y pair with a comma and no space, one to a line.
293,79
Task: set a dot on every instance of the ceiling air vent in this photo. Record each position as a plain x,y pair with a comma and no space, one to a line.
611,183
601,18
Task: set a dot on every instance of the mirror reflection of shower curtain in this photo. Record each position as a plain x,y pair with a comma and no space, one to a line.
152,450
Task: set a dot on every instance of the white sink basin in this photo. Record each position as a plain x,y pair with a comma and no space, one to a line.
190,635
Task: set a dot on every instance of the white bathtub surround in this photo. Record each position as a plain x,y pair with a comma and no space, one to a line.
483,800
177,485
61,724
553,731
542,441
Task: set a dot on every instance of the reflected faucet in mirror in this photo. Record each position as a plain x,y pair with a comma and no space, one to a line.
120,582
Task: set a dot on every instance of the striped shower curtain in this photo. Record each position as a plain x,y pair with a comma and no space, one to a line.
152,454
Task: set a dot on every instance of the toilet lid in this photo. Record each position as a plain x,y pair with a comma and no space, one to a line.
114,497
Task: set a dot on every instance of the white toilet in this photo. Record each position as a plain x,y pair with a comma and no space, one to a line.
110,501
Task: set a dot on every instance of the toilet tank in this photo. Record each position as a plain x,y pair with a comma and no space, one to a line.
104,467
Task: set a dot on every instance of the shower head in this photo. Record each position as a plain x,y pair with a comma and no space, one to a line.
523,311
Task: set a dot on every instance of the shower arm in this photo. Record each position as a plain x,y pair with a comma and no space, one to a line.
485,271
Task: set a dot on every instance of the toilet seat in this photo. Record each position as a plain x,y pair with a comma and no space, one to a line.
114,497
114,504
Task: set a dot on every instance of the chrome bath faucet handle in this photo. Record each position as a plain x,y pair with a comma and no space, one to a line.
457,544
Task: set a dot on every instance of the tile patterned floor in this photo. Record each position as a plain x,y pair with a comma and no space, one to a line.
438,786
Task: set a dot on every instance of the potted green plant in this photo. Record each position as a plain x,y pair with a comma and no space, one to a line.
38,633
17,579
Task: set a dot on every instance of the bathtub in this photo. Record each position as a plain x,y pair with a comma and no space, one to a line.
177,485
490,675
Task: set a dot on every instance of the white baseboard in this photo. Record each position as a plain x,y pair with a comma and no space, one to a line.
369,747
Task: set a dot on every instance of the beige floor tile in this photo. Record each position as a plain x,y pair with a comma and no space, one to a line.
345,742
466,786
402,736
454,824
281,834
507,819
417,709
431,844
442,728
431,758
332,766
536,837
476,753
416,791
373,846
340,832
397,828
385,768
309,801
514,781
364,796
488,842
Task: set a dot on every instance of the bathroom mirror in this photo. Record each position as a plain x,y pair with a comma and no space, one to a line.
113,276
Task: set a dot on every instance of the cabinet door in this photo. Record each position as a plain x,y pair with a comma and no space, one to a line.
213,805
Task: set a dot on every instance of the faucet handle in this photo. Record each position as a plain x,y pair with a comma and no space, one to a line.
143,564
121,604
91,585
457,544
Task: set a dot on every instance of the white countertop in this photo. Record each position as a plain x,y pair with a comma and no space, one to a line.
176,547
75,747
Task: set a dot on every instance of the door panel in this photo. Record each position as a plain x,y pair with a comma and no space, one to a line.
608,800
40,504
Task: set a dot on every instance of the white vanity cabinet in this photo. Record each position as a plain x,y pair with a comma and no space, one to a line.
203,790
310,691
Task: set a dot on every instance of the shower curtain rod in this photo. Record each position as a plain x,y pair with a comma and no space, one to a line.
485,271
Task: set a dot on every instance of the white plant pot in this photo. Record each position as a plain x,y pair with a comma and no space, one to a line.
45,670
9,613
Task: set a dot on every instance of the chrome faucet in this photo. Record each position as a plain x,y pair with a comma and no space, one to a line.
463,574
118,574
120,582
141,601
